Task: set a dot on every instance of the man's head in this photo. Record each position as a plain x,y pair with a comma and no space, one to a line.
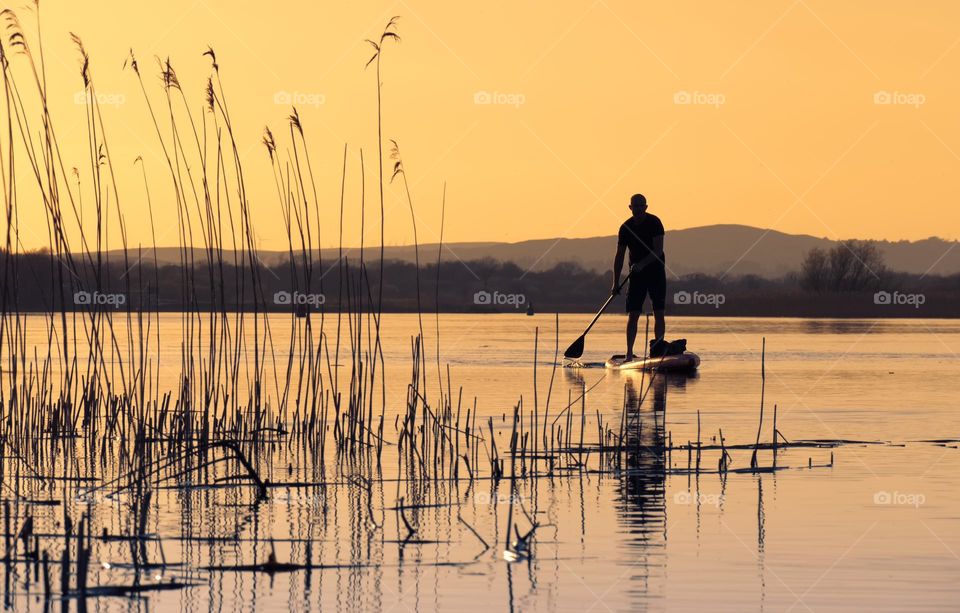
638,204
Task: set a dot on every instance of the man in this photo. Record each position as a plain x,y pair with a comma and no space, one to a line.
642,235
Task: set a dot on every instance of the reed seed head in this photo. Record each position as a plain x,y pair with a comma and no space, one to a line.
213,57
85,65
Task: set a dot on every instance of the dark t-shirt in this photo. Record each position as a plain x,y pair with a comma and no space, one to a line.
638,236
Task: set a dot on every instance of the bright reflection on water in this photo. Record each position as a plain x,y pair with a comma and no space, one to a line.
866,525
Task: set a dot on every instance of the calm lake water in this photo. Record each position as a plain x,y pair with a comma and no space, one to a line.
867,525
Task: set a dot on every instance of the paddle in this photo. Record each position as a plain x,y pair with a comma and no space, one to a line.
575,350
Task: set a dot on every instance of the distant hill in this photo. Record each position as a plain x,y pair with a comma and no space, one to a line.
717,249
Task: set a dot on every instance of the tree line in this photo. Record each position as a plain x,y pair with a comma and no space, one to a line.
823,286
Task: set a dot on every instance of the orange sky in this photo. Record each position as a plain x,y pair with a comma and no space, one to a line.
782,127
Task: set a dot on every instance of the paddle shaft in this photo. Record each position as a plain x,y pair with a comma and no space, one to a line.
606,304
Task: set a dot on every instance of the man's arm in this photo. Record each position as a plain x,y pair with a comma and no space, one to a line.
618,268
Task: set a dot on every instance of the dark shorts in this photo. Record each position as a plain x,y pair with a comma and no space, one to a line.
651,280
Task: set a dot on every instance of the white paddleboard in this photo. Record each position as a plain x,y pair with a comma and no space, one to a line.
684,362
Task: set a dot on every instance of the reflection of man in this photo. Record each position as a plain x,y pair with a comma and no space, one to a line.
645,426
642,235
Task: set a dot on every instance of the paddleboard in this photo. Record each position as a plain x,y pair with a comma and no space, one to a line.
672,363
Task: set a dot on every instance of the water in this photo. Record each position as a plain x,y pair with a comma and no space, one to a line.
872,525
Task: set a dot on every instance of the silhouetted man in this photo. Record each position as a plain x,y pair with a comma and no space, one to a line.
642,234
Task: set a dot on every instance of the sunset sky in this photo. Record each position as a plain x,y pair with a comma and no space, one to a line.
836,119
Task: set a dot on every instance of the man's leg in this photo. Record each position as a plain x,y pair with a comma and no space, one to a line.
658,298
632,318
659,324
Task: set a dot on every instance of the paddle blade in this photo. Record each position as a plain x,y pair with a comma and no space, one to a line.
575,350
